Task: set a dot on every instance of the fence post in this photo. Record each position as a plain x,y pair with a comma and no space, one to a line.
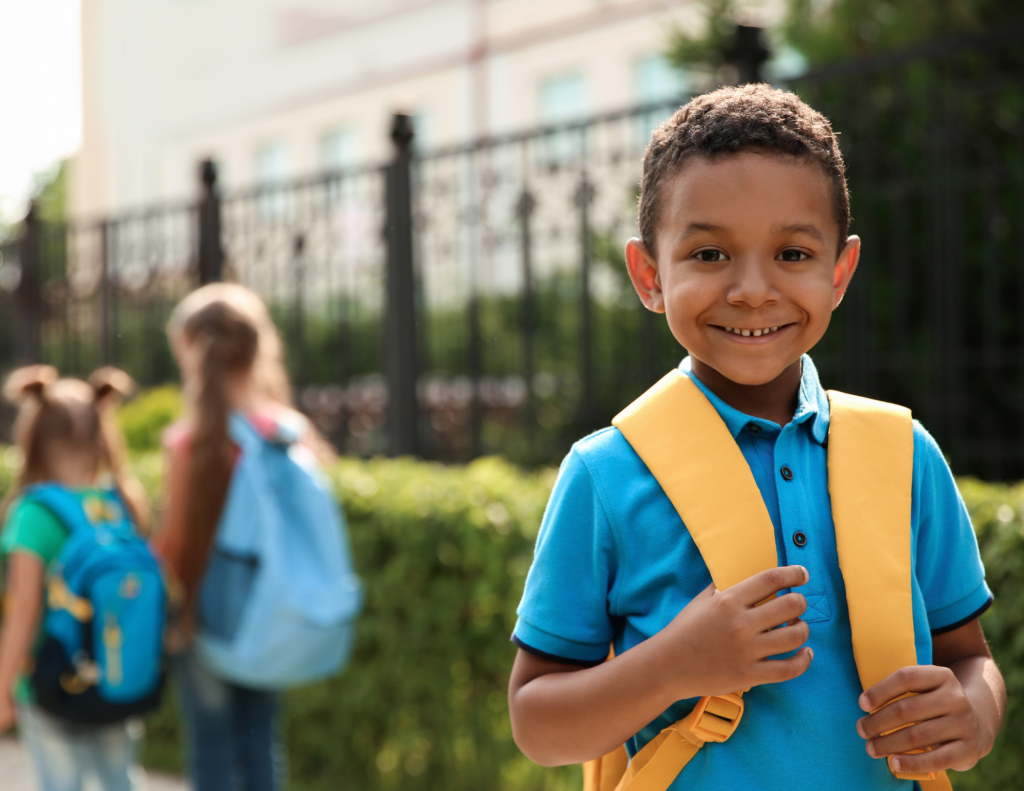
211,252
584,197
298,350
528,321
29,292
400,320
747,53
107,329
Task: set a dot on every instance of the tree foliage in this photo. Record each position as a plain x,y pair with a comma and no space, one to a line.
704,49
826,31
841,29
51,192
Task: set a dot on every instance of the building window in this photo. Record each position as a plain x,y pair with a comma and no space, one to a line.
563,99
423,131
339,149
657,81
272,170
272,163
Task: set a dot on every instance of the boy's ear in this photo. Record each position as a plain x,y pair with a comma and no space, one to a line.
643,271
846,265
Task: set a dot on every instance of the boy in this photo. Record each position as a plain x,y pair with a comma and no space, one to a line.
744,217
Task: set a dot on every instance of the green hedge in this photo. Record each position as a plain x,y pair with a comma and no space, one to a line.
443,552
144,419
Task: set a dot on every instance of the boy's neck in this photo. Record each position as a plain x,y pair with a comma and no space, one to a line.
775,400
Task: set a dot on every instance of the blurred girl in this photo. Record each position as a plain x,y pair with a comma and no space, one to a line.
67,434
229,353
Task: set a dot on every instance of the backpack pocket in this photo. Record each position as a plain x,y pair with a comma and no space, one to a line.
225,591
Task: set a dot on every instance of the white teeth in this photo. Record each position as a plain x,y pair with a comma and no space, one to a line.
747,333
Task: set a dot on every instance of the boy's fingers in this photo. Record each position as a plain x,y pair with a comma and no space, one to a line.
756,589
913,709
782,641
779,611
775,671
916,737
935,760
915,678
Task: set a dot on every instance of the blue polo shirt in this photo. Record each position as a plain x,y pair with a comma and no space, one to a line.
614,563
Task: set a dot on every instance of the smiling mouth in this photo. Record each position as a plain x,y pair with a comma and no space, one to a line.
756,333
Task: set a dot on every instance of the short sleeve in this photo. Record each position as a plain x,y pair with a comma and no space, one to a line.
33,529
564,613
949,568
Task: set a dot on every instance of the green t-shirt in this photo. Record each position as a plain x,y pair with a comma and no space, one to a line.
32,529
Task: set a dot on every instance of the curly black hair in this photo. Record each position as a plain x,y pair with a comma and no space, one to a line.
734,119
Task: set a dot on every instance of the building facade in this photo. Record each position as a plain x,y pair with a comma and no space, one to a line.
277,89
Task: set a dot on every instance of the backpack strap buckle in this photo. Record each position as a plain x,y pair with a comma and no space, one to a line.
716,717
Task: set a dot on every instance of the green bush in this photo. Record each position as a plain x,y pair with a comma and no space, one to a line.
443,552
998,515
144,419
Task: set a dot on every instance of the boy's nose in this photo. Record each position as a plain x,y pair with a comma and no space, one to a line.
752,287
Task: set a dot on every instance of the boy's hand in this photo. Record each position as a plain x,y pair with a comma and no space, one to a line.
722,640
940,716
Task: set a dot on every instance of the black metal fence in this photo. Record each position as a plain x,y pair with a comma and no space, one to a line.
474,300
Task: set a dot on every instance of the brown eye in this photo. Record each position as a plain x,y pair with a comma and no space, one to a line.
793,256
710,256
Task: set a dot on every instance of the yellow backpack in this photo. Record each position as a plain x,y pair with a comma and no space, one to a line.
688,448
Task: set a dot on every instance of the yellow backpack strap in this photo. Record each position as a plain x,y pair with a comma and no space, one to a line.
687,447
681,438
870,482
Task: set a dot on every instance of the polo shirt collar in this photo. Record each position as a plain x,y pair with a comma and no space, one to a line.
812,403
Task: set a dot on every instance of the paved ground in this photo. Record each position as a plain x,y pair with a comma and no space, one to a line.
16,775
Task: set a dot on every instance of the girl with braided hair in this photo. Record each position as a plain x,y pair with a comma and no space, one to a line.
229,353
67,434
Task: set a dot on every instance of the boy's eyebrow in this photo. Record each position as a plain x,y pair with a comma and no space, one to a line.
804,228
700,227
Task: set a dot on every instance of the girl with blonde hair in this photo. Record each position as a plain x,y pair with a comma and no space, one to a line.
229,353
67,434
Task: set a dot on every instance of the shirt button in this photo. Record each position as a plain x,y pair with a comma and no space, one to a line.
799,538
754,428
787,473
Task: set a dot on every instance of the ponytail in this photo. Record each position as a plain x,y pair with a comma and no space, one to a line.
110,387
227,343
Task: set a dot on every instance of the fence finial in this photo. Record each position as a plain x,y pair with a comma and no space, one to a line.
401,332
210,253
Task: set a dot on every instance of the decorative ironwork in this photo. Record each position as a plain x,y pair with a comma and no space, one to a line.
528,333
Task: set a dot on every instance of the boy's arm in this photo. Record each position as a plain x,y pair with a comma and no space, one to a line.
719,643
22,607
959,707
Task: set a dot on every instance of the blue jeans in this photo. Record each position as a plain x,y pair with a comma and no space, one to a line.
65,755
231,732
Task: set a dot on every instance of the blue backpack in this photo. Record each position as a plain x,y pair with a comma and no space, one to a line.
101,657
279,597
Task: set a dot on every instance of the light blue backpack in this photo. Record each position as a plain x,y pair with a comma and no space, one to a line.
279,598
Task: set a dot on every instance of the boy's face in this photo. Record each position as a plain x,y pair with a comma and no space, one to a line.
746,270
